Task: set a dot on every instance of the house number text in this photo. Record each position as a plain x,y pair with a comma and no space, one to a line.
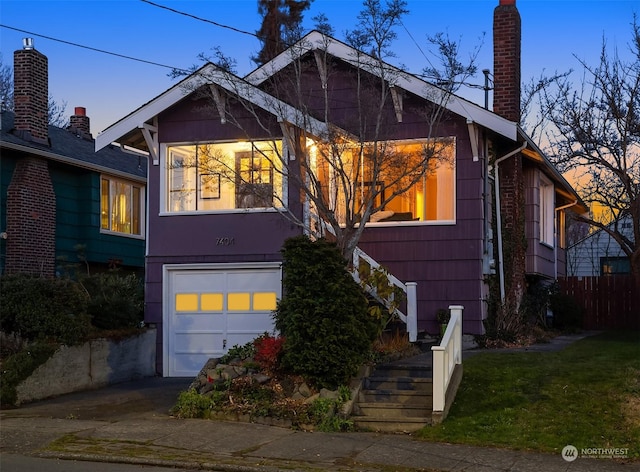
225,241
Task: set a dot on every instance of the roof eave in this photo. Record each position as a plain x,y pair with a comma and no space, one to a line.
71,161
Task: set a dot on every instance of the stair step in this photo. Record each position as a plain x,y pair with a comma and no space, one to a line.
398,383
390,425
393,410
402,397
397,370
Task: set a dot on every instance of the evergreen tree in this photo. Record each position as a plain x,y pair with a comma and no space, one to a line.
280,27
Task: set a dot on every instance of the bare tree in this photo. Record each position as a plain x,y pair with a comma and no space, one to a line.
595,133
341,153
6,86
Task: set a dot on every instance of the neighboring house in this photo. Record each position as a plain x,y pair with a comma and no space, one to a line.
599,254
213,271
64,206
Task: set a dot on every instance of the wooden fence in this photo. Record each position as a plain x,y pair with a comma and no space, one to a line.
609,302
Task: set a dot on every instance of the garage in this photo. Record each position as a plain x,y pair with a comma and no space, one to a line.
209,308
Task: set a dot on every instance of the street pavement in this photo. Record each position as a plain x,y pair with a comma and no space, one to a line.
130,423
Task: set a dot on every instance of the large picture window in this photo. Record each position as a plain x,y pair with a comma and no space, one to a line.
415,181
224,176
121,206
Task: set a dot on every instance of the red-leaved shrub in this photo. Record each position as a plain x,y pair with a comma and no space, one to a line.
268,349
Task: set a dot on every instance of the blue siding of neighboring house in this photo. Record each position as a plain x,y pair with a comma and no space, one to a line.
78,223
7,165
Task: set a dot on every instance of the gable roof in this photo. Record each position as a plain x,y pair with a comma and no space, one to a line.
316,41
126,131
67,147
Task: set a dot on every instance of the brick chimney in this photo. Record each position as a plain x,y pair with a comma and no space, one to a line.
31,200
506,60
31,93
79,123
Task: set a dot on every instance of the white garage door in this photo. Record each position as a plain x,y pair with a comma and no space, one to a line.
210,309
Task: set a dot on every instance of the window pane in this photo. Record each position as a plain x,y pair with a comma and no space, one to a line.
224,176
104,204
136,211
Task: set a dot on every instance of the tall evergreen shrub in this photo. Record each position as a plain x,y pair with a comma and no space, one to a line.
323,314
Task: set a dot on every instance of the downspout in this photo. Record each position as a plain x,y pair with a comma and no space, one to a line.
555,246
496,178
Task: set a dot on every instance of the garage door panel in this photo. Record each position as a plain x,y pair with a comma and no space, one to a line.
184,365
252,281
250,321
197,322
204,343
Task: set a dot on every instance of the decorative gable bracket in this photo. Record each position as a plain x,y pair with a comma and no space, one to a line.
397,102
150,134
473,137
220,100
322,68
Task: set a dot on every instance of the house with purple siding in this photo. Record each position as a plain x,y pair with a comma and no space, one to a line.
223,195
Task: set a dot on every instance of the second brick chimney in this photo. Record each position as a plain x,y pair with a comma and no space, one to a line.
79,123
506,60
31,93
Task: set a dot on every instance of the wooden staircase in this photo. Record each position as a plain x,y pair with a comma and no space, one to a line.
396,397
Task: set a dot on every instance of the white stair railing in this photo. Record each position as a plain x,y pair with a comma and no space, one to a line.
446,356
362,259
409,288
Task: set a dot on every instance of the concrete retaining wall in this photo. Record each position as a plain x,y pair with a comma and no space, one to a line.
92,365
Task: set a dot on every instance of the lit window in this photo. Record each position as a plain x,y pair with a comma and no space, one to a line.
224,176
403,190
615,265
121,206
546,211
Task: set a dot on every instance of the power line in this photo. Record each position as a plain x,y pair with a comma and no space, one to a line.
189,15
70,43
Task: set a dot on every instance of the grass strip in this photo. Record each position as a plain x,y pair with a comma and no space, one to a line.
587,395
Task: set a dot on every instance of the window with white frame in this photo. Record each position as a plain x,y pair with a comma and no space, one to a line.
420,195
224,176
547,211
121,206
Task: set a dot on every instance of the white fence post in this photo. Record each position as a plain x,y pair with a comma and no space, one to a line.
438,378
457,334
412,311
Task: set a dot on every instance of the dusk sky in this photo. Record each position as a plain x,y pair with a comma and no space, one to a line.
109,87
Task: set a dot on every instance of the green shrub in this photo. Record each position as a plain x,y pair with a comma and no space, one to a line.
116,301
567,313
19,366
323,315
191,404
39,308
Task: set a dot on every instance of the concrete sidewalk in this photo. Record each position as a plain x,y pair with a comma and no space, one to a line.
130,423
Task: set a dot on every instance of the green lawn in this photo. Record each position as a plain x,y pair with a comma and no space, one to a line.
587,395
